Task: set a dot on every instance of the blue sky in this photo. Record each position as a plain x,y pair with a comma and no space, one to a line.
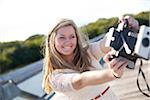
20,19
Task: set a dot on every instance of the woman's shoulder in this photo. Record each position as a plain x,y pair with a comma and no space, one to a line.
95,50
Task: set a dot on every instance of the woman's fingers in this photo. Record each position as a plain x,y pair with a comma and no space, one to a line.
124,66
107,57
119,73
114,62
132,23
119,67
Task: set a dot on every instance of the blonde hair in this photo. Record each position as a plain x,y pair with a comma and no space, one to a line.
53,59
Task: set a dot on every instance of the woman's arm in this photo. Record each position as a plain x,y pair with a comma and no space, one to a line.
116,68
98,49
103,48
91,78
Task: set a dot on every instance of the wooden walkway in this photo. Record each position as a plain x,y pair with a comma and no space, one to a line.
126,87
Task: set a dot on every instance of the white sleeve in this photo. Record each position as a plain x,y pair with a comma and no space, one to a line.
95,49
62,82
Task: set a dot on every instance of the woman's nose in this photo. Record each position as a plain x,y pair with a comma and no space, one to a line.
67,41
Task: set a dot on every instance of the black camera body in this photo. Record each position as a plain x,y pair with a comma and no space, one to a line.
128,44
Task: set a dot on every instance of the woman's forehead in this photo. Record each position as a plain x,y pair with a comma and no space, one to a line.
66,29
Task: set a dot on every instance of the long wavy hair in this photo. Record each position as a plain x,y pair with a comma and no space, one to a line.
53,59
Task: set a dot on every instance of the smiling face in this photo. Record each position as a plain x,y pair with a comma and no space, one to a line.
66,41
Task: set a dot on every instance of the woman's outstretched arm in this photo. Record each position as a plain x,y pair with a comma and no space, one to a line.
116,69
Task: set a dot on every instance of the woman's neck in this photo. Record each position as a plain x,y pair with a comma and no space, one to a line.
69,59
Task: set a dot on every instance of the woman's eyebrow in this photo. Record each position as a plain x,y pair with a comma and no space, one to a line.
61,34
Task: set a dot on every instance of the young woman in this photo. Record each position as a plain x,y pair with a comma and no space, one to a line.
72,68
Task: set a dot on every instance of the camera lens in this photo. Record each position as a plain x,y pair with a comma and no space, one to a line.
145,42
148,33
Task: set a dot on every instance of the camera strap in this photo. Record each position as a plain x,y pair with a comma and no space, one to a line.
141,71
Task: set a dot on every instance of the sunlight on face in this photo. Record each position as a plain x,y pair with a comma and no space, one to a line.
66,40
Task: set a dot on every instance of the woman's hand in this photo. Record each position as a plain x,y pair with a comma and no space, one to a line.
116,65
132,23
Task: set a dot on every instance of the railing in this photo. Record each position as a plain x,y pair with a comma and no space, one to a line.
10,90
9,82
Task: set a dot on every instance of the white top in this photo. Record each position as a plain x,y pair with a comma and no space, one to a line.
61,82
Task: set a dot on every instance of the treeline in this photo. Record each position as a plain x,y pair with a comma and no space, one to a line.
102,25
19,53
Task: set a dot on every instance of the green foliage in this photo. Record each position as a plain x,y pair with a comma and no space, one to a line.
99,27
143,18
19,53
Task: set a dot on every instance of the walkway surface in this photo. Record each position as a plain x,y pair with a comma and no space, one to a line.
126,87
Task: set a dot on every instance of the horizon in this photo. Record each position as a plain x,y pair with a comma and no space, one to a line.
29,18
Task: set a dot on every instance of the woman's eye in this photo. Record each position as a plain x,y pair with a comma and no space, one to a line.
72,36
61,37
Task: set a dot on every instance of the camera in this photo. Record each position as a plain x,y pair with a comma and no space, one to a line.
128,44
142,47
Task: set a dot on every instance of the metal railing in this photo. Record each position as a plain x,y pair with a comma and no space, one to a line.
9,82
10,90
